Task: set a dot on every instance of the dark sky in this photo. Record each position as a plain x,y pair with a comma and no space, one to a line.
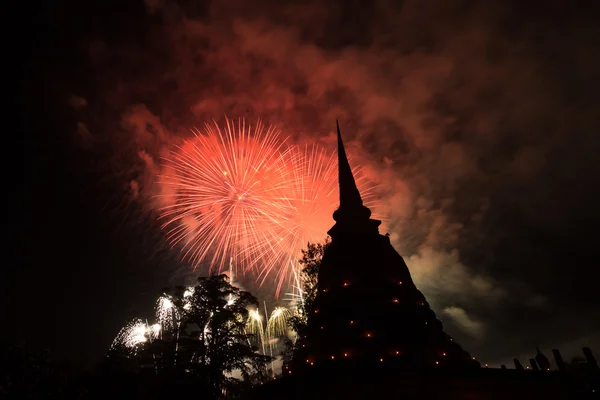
479,121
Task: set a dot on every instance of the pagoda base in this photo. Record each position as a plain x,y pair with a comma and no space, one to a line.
429,383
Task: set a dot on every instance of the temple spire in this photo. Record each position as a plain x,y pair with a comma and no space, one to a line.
349,194
351,215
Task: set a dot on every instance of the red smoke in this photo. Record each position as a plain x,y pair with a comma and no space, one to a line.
467,116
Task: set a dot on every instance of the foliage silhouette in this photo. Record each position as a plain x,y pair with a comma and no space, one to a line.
310,262
206,340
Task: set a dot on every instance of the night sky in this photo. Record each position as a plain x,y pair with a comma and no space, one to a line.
478,121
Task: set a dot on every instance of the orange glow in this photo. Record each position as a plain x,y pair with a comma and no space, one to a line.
236,167
368,335
345,354
244,191
312,364
397,352
346,283
395,300
400,283
381,359
437,363
260,196
351,322
332,357
316,311
444,354
325,290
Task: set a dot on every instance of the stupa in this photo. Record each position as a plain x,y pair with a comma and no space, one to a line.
368,309
373,335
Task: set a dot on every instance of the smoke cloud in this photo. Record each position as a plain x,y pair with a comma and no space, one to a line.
475,122
464,322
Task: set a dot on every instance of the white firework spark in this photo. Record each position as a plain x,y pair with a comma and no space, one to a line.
277,323
133,334
166,312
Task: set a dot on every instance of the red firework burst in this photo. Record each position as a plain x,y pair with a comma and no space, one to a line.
312,200
242,195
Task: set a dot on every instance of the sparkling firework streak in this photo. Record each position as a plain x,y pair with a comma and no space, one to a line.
229,187
296,295
155,330
309,215
277,324
166,312
241,195
135,333
189,292
254,326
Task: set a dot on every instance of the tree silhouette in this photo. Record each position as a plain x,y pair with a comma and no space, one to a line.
310,262
205,338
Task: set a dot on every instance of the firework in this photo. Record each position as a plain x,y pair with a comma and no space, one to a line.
254,326
242,195
187,294
166,312
155,330
277,324
309,215
133,334
227,189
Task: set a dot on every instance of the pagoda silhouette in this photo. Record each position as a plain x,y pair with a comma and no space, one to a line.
372,334
368,309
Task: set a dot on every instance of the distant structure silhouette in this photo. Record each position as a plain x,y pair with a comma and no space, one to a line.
559,360
541,360
591,360
533,364
518,365
368,310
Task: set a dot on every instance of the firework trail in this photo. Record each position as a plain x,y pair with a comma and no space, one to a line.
254,326
242,195
155,331
187,294
166,312
135,333
228,187
309,215
277,323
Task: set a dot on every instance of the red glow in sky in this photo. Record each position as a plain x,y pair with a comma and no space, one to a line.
240,197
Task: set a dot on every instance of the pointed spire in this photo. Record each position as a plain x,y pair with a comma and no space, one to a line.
349,194
351,211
